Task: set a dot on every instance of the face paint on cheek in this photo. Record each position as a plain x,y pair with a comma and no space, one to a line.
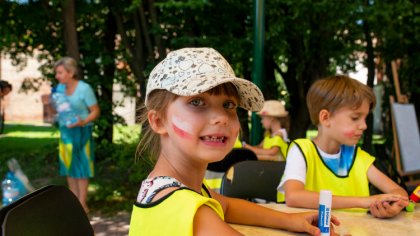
349,134
181,128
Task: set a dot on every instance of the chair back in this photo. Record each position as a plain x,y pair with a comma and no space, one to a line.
253,179
51,210
234,156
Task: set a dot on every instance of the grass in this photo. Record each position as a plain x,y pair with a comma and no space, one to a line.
117,177
25,138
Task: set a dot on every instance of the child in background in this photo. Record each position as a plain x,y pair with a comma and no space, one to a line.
5,88
338,106
275,143
190,106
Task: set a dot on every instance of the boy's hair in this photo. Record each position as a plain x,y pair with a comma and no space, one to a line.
336,92
69,65
159,100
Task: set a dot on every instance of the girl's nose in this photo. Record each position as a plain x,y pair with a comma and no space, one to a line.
220,116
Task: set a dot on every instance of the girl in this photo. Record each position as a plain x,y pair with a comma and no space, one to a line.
275,143
191,101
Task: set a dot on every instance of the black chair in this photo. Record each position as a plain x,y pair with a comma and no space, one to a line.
234,156
253,180
51,210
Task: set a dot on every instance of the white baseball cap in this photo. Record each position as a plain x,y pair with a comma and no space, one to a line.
191,71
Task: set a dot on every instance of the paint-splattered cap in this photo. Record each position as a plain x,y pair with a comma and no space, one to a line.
191,71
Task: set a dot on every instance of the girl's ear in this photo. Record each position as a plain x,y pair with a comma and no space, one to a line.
155,122
324,117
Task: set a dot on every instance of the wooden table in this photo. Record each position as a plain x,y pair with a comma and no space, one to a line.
352,223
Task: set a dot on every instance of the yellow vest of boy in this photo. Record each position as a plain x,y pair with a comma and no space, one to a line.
276,141
172,214
320,177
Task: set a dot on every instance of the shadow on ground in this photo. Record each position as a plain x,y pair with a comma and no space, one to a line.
117,225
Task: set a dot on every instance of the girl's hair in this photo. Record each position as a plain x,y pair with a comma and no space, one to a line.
159,101
336,92
69,64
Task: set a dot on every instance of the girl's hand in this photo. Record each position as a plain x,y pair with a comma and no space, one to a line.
307,222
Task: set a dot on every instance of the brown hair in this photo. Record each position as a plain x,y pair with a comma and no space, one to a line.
336,92
159,100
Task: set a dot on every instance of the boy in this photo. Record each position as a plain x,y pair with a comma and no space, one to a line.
338,106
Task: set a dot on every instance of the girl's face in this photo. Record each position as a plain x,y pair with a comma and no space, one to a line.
203,127
266,121
62,75
347,125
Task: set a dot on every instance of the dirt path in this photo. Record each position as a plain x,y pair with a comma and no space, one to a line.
117,225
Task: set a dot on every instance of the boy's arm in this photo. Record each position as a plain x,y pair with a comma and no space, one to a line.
392,202
240,211
383,182
298,196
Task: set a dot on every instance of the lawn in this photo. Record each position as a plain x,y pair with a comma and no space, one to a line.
117,175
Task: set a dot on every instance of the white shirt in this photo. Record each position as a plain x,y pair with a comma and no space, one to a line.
296,165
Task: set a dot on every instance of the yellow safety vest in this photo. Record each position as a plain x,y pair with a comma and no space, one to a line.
319,176
172,214
276,141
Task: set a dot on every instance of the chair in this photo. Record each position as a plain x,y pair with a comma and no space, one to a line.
253,179
234,156
51,210
216,170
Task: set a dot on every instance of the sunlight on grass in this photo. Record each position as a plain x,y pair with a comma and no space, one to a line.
126,134
34,134
311,134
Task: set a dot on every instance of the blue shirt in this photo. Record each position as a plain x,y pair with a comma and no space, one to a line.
82,98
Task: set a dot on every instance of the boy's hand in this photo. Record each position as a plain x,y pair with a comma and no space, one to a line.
307,222
379,198
387,207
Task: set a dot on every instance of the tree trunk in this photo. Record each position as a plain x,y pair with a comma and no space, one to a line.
109,71
367,139
70,33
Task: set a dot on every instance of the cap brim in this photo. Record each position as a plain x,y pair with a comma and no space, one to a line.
251,96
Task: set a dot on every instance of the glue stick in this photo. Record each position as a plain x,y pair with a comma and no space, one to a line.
324,215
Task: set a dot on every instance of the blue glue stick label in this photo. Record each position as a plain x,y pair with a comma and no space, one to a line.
324,219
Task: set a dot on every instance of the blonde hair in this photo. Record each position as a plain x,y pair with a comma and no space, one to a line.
159,101
69,64
336,92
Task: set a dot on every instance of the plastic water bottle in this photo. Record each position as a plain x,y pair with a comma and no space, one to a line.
66,115
10,189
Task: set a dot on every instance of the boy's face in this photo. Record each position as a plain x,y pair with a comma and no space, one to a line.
346,125
203,127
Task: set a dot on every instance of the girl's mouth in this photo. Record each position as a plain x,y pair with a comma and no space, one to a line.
216,139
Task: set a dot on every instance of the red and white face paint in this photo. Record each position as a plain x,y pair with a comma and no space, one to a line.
182,128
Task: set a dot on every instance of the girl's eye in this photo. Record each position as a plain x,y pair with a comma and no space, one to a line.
197,102
230,105
355,118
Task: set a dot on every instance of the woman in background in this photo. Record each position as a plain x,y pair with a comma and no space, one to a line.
76,152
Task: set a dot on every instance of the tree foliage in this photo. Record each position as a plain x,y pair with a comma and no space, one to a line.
120,41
